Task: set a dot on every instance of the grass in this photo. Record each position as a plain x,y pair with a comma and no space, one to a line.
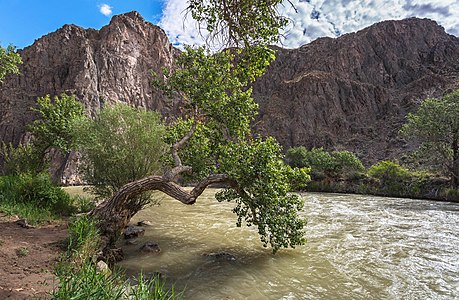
36,199
23,251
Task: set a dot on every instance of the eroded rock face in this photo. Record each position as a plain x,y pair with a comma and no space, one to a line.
354,92
110,65
350,93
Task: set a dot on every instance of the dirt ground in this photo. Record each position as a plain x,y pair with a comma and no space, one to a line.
27,259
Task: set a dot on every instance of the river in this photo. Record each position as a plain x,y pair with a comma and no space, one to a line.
359,247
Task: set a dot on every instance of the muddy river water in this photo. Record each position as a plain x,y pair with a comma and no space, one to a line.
359,247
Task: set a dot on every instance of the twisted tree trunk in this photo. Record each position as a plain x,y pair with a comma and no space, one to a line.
115,213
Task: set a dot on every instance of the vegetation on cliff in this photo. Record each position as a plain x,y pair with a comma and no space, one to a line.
9,61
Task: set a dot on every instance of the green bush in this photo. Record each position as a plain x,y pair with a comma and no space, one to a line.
394,180
33,197
325,164
84,239
80,279
20,159
122,144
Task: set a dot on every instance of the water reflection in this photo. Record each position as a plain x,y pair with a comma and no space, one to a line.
359,247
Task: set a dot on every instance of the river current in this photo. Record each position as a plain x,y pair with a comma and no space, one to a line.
359,247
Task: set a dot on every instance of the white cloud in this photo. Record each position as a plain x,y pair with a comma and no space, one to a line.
105,9
318,18
180,27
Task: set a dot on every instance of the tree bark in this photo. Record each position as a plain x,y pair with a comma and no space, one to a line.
115,213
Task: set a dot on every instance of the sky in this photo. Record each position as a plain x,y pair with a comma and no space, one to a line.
23,21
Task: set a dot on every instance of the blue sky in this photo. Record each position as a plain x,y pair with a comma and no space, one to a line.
23,21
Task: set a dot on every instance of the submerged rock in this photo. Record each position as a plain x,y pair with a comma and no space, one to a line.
221,256
133,232
151,247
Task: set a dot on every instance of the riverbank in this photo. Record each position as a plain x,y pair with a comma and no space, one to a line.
28,257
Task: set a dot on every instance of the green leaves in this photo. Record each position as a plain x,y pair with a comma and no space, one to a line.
122,144
234,23
215,88
9,61
262,191
54,128
436,125
325,163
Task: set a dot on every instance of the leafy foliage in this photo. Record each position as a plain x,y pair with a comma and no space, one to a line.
395,180
122,144
54,127
218,114
239,23
436,125
79,277
324,163
9,61
33,196
83,240
261,192
20,159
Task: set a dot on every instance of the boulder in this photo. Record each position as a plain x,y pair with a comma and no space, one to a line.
133,232
221,256
144,223
150,247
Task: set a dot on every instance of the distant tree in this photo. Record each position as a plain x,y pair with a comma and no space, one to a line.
9,61
436,126
54,126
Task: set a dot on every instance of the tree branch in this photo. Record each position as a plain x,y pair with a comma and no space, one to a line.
179,168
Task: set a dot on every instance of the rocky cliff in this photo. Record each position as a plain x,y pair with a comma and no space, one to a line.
351,93
103,66
109,65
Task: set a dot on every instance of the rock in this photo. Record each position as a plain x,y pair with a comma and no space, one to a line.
221,256
349,93
102,267
144,223
150,247
100,67
23,223
131,242
353,92
133,232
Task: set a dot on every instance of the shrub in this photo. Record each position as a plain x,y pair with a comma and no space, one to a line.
122,144
20,159
34,192
324,163
83,240
394,180
79,277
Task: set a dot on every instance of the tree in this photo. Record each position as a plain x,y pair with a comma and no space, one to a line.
54,127
120,145
436,126
9,61
240,23
212,143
